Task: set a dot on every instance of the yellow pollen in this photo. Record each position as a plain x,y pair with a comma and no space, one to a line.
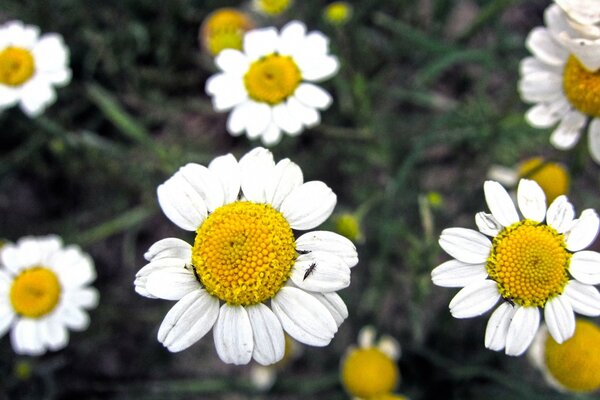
244,252
582,87
16,66
272,79
35,292
273,7
224,29
368,372
529,261
575,364
553,178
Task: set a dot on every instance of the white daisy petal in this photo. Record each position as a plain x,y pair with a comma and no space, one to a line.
585,50
560,214
303,317
7,316
232,62
475,299
171,283
157,265
319,271
254,166
291,37
284,178
54,334
390,347
230,94
181,204
465,245
567,134
239,117
522,330
559,318
542,45
487,224
84,297
205,183
541,86
169,248
585,267
455,273
584,299
308,205
366,337
227,171
36,95
334,304
497,327
532,200
50,53
271,135
594,139
260,119
308,115
583,231
545,115
328,242
324,68
286,119
25,338
73,267
8,96
188,320
500,203
313,96
233,335
260,42
583,11
74,317
269,341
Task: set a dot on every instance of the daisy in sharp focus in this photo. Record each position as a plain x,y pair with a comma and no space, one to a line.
30,67
268,86
245,256
530,264
43,291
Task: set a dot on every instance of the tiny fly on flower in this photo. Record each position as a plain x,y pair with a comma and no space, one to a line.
310,270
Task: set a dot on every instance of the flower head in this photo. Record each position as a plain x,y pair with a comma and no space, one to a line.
224,28
370,370
43,291
245,256
267,86
338,13
531,263
30,67
271,8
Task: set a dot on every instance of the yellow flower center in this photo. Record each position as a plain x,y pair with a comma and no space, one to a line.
529,261
576,363
16,66
553,178
582,87
35,292
338,13
389,396
224,29
369,372
244,252
272,79
273,7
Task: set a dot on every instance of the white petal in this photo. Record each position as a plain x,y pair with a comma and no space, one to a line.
390,347
36,95
232,61
334,304
9,96
545,115
585,50
171,283
233,335
320,272
50,53
83,297
255,167
497,327
500,203
181,203
455,273
541,86
205,183
141,278
308,115
594,139
475,299
229,92
320,69
559,318
329,242
286,119
169,248
366,337
560,214
308,205
285,177
269,341
540,43
271,135
73,267
487,224
585,267
54,334
25,338
7,316
239,118
583,231
188,320
532,200
73,317
227,171
566,135
522,330
584,299
262,117
465,245
260,42
291,37
303,317
313,96
584,11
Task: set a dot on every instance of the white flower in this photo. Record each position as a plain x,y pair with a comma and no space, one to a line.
30,66
268,85
564,91
245,256
43,291
585,12
530,264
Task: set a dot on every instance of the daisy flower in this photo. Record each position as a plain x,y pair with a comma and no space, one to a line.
224,28
529,264
271,8
43,291
564,90
30,67
245,256
369,371
338,13
586,12
268,84
573,365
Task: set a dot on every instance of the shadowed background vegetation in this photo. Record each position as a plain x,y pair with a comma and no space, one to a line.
425,101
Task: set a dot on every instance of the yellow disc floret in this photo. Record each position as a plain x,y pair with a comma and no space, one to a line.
35,292
575,364
272,79
582,87
272,7
16,66
244,252
553,178
368,372
529,261
224,29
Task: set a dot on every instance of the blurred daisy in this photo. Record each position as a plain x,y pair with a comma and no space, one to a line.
245,256
271,8
267,86
580,31
552,177
573,365
30,67
224,28
338,13
43,291
529,264
369,371
348,224
263,377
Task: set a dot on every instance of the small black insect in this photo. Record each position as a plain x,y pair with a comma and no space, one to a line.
302,251
310,270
